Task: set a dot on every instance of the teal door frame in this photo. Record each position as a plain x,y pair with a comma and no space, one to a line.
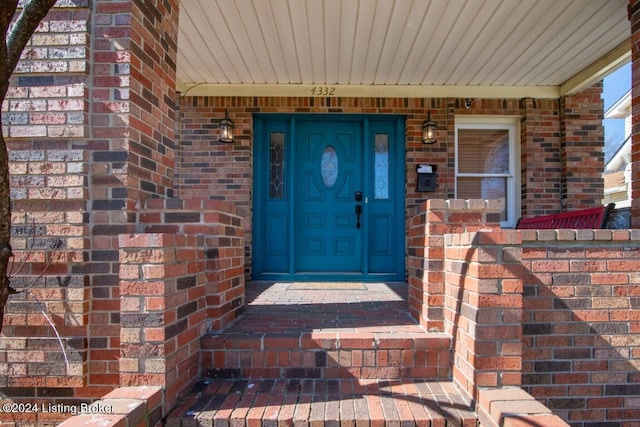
274,217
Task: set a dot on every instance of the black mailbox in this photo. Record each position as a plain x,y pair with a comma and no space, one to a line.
427,178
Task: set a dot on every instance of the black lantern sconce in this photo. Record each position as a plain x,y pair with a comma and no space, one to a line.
226,128
429,129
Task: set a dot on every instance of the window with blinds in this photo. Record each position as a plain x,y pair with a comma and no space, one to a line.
485,164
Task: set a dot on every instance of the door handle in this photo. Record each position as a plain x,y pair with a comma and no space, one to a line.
358,213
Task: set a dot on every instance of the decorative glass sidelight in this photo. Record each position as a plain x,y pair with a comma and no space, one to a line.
381,170
329,166
276,165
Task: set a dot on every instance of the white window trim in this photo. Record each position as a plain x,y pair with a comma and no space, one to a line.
512,124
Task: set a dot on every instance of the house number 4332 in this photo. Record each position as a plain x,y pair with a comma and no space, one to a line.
323,90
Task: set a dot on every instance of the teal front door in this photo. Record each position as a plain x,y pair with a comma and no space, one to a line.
328,229
328,198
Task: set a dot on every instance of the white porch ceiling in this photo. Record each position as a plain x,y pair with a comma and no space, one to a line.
399,47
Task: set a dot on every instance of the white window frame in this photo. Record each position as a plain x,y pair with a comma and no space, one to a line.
512,125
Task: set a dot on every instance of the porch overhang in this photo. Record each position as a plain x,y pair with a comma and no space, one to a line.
372,91
410,48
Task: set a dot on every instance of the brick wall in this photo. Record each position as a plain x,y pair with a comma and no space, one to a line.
48,95
131,150
219,171
152,70
425,259
45,119
552,310
133,97
48,236
634,17
162,311
581,324
180,278
483,308
90,124
224,260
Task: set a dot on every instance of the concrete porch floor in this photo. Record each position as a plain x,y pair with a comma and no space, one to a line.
311,354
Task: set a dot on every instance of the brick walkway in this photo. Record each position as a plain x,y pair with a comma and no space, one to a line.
353,403
312,355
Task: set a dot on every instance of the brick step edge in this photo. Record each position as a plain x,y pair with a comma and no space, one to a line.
323,402
326,341
325,355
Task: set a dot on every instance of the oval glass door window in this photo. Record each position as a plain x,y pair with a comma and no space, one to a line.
329,166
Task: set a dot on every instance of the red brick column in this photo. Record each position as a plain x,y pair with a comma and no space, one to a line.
540,157
581,149
131,150
634,16
152,94
162,311
483,308
425,260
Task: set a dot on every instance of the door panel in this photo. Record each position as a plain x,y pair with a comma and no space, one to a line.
307,170
325,219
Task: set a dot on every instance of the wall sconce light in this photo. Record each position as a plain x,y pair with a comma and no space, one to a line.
429,129
226,128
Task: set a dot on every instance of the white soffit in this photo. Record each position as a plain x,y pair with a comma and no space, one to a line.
416,48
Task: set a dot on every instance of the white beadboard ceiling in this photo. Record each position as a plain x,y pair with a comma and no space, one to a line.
391,46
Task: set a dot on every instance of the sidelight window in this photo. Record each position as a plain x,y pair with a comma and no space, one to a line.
381,170
276,165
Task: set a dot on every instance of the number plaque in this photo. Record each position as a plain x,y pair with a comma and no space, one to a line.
323,90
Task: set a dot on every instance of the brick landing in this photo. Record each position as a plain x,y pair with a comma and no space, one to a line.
281,307
307,402
287,332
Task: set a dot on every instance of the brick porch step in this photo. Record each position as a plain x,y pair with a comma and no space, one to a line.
403,352
310,402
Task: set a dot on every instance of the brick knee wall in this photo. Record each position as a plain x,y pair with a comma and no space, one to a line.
126,406
224,267
581,325
513,407
552,310
181,278
162,310
483,308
